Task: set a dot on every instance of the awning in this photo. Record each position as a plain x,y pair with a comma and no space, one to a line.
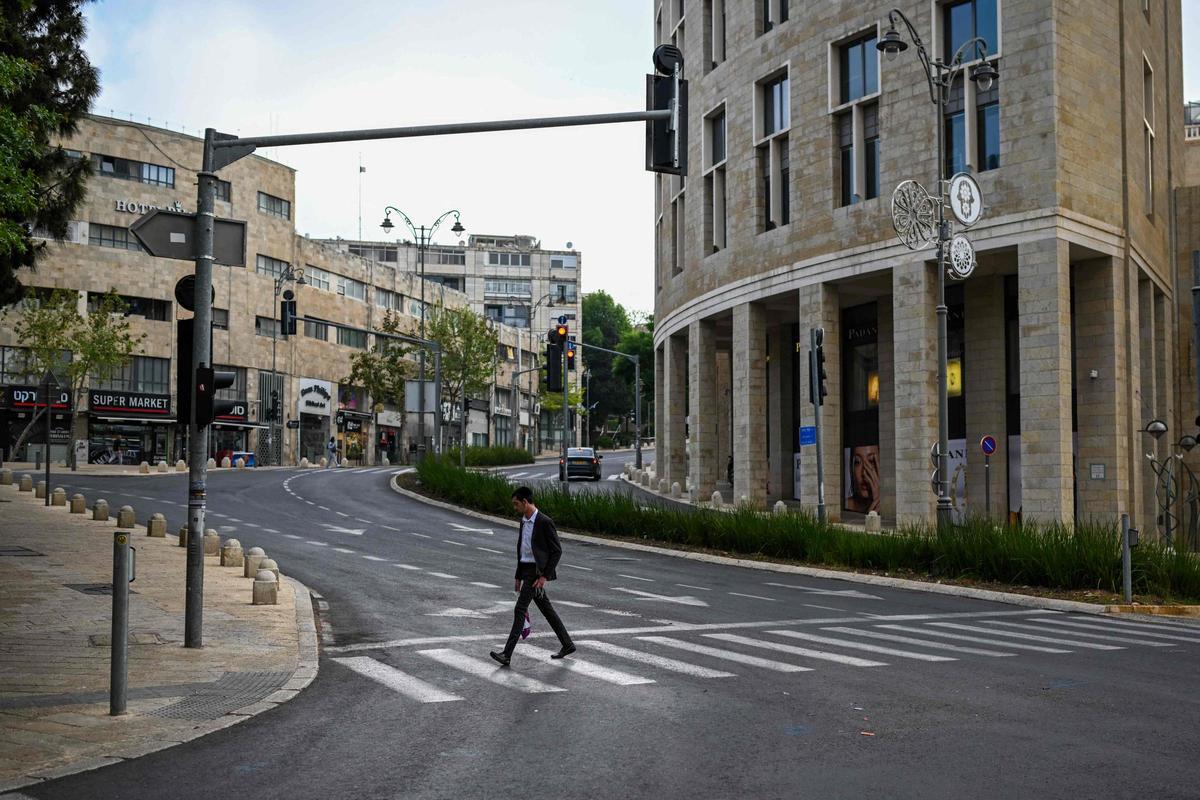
159,420
231,424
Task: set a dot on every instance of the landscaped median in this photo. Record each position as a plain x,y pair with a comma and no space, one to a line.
1046,558
494,456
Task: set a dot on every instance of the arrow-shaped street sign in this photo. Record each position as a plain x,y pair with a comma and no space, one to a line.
830,592
340,529
172,234
458,527
686,600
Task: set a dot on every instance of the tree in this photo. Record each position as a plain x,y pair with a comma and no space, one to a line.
75,348
604,322
383,371
46,86
468,344
639,342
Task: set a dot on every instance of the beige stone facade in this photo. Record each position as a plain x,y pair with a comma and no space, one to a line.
138,167
1074,330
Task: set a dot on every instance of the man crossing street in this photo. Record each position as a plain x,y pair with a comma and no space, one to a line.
538,552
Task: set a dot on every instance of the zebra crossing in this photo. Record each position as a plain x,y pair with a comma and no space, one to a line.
645,659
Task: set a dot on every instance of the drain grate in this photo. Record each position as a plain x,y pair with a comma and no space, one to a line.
231,691
93,588
15,550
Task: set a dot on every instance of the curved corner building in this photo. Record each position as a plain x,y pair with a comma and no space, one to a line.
1072,333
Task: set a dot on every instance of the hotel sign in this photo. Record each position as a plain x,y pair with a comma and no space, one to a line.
134,207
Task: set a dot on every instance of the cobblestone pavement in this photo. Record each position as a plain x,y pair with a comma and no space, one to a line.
55,626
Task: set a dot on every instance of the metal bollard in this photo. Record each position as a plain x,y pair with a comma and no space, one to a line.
250,561
78,504
100,511
119,667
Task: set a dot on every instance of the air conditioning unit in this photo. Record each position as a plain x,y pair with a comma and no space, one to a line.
341,289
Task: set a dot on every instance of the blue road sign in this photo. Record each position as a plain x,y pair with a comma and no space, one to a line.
562,320
988,445
808,435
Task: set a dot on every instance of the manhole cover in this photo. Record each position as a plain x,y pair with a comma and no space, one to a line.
14,550
94,588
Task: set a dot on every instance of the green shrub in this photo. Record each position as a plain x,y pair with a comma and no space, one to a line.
1086,556
494,456
605,442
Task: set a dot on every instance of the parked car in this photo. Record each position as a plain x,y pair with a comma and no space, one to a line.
581,462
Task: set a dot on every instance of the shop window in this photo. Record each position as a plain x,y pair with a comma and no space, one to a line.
860,409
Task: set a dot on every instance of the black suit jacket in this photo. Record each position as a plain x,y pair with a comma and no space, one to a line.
547,550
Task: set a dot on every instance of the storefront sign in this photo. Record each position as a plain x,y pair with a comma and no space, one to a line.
315,396
134,207
293,424
27,397
131,404
353,425
239,413
392,419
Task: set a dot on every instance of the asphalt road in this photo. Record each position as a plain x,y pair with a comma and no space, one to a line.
544,472
691,680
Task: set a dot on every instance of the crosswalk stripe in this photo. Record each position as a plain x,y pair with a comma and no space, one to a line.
1028,636
870,648
652,660
728,655
891,637
1101,636
445,575
1140,629
1131,631
583,667
572,604
850,661
978,640
489,671
397,681
483,585
1120,624
516,474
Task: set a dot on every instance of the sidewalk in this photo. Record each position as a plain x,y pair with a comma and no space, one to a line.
54,645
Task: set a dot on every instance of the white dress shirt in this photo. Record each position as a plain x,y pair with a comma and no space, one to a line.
527,539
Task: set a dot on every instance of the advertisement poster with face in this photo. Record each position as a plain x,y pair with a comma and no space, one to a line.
862,478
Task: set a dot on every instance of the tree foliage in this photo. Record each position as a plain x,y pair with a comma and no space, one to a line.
639,342
46,86
468,345
383,371
604,323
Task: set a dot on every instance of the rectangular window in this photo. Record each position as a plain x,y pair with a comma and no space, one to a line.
956,129
716,138
964,20
127,170
111,236
454,282
1148,133
220,319
224,190
266,326
316,330
507,287
677,234
784,160
516,316
564,262
716,223
987,129
509,259
139,374
454,257
714,20
275,206
352,338
373,252
870,115
773,12
148,307
776,105
235,391
318,278
385,298
265,265
858,63
564,292
356,290
844,126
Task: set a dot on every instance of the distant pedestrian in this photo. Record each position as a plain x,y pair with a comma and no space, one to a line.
538,552
331,449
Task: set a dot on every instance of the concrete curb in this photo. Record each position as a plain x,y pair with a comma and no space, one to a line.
1157,611
308,655
1011,598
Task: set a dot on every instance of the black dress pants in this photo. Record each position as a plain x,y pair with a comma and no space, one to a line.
527,595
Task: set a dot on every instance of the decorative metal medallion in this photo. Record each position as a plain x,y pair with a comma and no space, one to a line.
914,215
961,258
966,200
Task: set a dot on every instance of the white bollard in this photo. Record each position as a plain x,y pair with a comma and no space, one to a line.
162,466
40,492
250,561
269,565
266,589
78,504
324,462
157,526
181,466
383,460
144,468
780,507
304,463
225,463
100,511
240,463
676,492
26,484
58,497
717,500
6,477
212,463
873,524
126,518
231,554
212,543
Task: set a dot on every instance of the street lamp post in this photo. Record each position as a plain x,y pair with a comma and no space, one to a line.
940,75
422,236
290,273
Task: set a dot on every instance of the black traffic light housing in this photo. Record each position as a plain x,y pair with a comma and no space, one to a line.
208,407
819,388
553,379
287,314
570,355
666,139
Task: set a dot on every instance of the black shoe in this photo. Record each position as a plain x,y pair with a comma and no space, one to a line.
566,651
501,658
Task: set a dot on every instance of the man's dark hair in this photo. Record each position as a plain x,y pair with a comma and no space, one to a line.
523,494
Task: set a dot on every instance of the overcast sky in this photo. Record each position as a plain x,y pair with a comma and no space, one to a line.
258,67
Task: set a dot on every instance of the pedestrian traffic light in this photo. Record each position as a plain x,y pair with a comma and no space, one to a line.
554,374
818,389
208,381
570,355
666,139
287,316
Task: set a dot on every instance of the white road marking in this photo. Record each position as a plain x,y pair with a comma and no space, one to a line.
613,477
318,544
483,585
649,659
340,529
1139,631
292,536
343,550
1027,636
891,637
516,474
490,550
832,592
976,639
686,600
489,671
572,604
754,597
272,530
367,521
728,655
389,527
576,566
1181,627
870,648
821,655
420,535
342,514
374,558
573,664
458,527
445,575
252,525
636,578
397,681
451,541
1100,636
689,586
323,508
406,566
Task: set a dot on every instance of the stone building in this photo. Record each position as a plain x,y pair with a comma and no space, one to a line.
131,416
1063,344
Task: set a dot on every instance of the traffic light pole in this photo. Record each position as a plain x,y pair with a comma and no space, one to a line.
637,393
206,193
563,474
814,383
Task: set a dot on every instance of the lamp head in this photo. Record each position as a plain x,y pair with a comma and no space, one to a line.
891,44
300,278
1187,442
458,226
1156,428
983,75
387,223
